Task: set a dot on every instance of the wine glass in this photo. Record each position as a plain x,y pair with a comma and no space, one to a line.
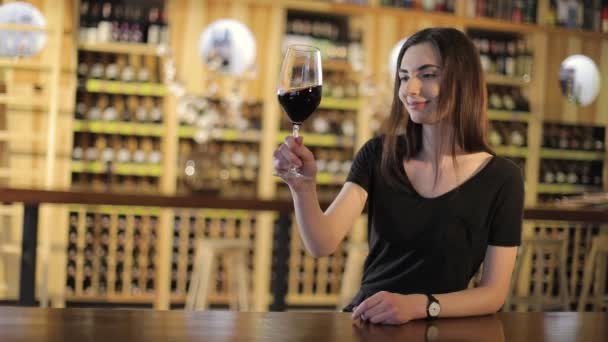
299,89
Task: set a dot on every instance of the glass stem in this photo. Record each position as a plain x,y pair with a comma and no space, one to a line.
296,130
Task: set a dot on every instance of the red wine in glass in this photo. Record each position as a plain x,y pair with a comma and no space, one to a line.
300,88
300,103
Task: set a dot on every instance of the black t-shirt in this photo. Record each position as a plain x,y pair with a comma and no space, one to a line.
434,245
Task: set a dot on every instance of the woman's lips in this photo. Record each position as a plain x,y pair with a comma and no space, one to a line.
419,105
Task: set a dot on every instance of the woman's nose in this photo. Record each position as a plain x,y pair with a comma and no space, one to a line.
412,87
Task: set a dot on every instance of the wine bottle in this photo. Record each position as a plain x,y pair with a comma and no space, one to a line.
98,67
572,176
83,30
510,60
110,113
154,27
117,19
563,138
84,65
560,175
123,155
155,155
82,107
518,135
548,174
104,27
139,156
164,27
124,30
107,153
93,20
155,113
588,143
494,136
112,71
500,56
136,34
127,73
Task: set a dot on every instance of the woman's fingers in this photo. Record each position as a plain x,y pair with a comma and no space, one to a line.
289,155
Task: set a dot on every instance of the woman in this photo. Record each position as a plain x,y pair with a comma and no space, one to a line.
440,202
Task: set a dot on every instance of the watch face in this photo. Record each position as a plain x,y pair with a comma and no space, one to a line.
434,309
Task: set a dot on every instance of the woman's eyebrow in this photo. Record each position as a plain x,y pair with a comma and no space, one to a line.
422,67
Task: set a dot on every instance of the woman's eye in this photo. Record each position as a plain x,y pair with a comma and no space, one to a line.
404,78
429,75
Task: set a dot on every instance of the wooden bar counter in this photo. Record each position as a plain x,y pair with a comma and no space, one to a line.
35,324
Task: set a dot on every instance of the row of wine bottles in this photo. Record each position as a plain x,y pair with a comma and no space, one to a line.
97,262
332,34
569,137
225,168
508,133
115,148
427,5
507,98
509,56
339,85
523,11
119,67
339,123
570,172
589,15
250,114
126,108
122,21
115,183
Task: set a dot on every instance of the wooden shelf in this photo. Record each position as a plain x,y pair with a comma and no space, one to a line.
574,32
122,128
187,132
501,115
126,169
117,209
496,79
544,188
124,88
126,48
511,151
312,139
340,104
548,153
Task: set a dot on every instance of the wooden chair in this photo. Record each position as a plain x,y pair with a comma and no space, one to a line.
542,298
353,271
207,250
595,270
9,249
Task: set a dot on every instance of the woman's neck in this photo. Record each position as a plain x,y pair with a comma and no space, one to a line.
436,145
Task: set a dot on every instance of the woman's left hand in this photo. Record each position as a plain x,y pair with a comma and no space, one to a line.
391,308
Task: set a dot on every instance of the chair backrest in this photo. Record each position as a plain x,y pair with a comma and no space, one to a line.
545,273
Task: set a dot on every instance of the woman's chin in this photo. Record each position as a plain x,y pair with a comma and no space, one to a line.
422,118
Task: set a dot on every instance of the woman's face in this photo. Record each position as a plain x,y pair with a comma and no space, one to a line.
420,79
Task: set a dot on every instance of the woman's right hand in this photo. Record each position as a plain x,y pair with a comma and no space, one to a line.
293,153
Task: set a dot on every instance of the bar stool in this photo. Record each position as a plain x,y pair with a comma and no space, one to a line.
597,257
353,271
207,251
541,299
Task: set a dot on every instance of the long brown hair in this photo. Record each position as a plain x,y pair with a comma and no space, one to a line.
461,103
